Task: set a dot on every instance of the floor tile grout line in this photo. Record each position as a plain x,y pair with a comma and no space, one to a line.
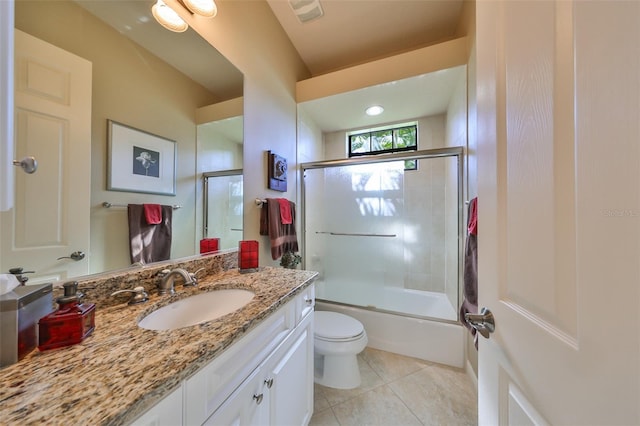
404,402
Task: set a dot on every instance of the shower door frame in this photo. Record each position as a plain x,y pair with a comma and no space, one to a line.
205,195
457,152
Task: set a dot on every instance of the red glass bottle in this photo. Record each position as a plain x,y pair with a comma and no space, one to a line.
248,255
70,324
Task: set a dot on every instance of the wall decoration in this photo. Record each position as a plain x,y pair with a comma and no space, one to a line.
277,172
140,161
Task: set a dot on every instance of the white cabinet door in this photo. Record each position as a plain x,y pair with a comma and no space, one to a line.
559,198
167,412
289,378
244,406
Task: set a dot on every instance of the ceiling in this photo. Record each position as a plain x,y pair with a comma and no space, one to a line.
356,31
349,33
414,97
187,52
352,32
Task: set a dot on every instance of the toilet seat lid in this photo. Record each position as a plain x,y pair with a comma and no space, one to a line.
333,325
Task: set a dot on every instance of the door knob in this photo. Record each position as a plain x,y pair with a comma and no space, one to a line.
484,323
28,164
76,255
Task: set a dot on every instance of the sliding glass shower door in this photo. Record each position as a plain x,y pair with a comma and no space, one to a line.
384,234
223,202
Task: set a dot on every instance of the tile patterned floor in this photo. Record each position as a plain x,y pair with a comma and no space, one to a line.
398,390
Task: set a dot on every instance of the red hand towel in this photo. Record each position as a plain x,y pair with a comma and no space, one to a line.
473,217
285,211
152,213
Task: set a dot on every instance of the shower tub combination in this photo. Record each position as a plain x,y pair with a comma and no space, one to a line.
386,241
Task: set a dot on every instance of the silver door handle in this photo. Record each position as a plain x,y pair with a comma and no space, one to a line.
28,164
76,255
484,323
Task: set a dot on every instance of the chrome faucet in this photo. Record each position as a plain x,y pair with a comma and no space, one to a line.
168,277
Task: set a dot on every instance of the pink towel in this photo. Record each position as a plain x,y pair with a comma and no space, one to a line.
473,217
285,211
152,213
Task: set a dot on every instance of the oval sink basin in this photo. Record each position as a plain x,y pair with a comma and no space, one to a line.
196,309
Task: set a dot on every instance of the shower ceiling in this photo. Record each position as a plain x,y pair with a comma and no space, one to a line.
414,97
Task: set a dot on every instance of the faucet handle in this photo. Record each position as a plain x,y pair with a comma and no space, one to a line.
163,273
138,295
194,278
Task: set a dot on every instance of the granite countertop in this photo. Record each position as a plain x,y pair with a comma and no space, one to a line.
122,370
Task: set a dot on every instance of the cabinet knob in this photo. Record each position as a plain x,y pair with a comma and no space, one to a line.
269,382
258,398
309,301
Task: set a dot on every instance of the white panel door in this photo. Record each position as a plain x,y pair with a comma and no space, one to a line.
50,218
559,214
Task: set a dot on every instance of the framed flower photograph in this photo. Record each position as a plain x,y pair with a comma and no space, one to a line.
140,161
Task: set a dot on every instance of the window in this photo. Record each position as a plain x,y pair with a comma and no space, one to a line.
385,141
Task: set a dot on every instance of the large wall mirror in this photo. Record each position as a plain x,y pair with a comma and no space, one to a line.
140,75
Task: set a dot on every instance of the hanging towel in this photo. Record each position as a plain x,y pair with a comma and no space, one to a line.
285,211
472,220
470,272
149,243
283,236
152,213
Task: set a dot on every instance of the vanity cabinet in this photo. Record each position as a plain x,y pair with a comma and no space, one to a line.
264,378
166,412
280,391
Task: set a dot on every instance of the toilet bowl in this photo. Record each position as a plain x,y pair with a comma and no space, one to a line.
337,341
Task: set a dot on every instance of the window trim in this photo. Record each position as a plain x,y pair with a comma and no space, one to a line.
352,154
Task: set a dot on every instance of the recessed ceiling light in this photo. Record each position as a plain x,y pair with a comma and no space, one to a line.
374,110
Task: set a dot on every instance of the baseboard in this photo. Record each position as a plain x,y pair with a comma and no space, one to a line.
471,374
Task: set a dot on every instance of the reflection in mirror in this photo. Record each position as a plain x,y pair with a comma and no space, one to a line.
141,75
220,160
223,207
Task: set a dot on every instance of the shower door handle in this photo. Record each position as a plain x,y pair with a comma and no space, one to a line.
484,323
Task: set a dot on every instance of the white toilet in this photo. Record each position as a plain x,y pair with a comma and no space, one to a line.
338,338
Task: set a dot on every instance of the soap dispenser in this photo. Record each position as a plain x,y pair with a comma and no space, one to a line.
70,324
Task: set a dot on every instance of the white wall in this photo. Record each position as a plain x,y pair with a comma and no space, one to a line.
456,136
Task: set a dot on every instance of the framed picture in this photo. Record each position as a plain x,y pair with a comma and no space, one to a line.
277,179
140,161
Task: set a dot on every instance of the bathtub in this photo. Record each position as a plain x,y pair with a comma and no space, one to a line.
428,339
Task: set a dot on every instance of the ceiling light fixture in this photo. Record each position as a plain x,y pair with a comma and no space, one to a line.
168,17
206,8
374,110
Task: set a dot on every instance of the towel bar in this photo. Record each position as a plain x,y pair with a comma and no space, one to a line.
108,205
349,234
260,201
